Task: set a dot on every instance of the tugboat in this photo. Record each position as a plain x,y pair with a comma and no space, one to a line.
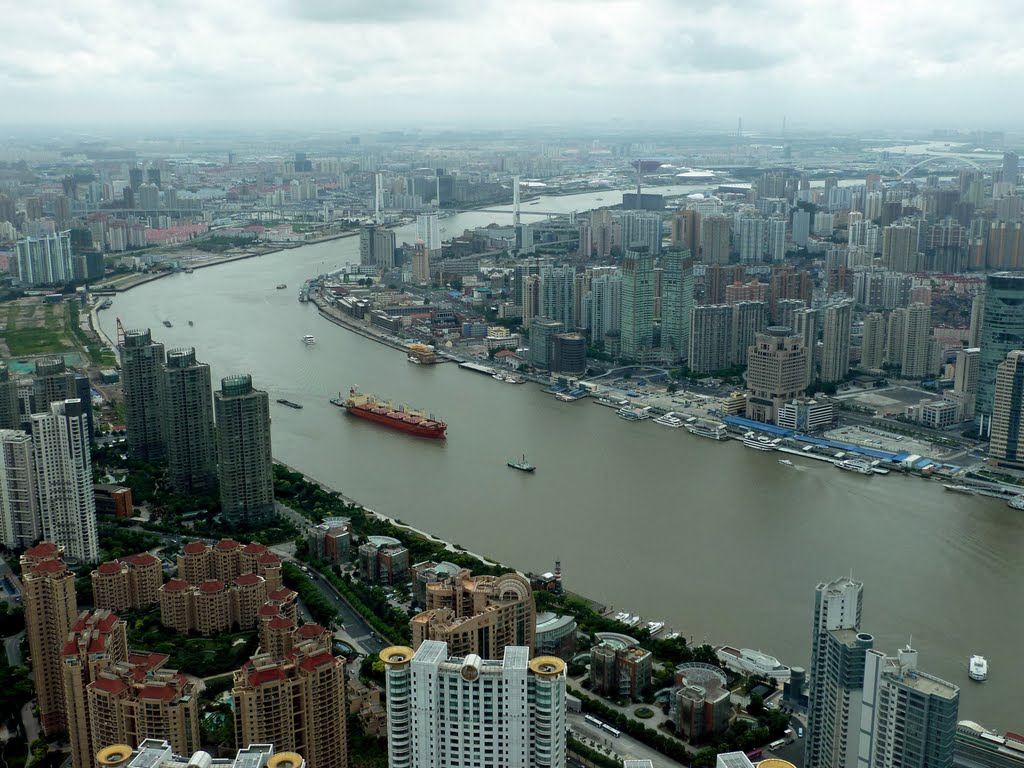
977,668
191,323
167,323
309,339
282,286
523,465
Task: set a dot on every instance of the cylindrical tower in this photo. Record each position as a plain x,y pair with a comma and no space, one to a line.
397,675
548,682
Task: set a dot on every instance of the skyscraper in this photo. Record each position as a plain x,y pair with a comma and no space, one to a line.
297,704
872,347
776,373
542,340
603,305
749,318
965,379
776,240
637,319
1002,331
908,717
245,465
20,525
805,325
917,330
835,337
714,239
686,231
556,294
752,236
642,230
52,383
1011,170
141,358
676,304
710,332
50,609
45,260
377,246
10,411
509,712
899,248
63,465
186,398
838,653
420,263
427,231
1007,424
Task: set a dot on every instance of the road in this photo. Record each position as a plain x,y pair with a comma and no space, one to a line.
362,637
12,645
625,747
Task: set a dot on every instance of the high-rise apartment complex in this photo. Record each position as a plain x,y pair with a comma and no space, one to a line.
377,246
749,318
637,329
244,461
838,653
63,466
557,286
872,347
806,323
676,304
603,305
428,231
1007,425
141,358
965,379
776,373
297,703
509,712
908,717
158,753
479,615
752,237
20,524
641,230
51,608
186,398
835,337
917,329
420,263
10,411
710,334
45,260
686,231
714,239
1002,331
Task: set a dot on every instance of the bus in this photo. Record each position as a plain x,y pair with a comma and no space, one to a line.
593,721
613,731
776,744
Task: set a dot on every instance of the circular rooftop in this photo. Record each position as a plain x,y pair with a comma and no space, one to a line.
774,762
616,640
285,760
704,675
547,666
114,755
396,655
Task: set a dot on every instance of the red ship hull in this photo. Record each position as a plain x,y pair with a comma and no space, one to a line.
434,430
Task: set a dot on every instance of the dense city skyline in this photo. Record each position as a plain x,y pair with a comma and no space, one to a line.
358,64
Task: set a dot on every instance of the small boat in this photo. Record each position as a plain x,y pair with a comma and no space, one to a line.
632,621
191,323
787,462
289,403
654,627
281,286
760,442
189,271
167,323
308,339
1017,502
499,376
523,465
959,489
977,668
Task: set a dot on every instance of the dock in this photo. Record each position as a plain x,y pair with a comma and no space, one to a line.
477,368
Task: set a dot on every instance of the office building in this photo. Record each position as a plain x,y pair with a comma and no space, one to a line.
542,341
428,231
637,313
96,640
620,673
676,304
714,239
699,702
141,358
298,703
1002,331
135,699
51,607
190,440
383,560
776,373
331,540
916,360
749,318
158,753
63,468
965,379
245,466
569,354
838,656
555,635
20,523
420,263
481,615
10,409
835,338
45,260
603,306
127,584
1007,436
872,347
377,246
557,285
908,717
806,415
509,712
710,334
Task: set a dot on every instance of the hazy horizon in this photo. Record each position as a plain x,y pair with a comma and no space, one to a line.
340,65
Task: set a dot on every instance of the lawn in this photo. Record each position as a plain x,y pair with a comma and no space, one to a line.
35,329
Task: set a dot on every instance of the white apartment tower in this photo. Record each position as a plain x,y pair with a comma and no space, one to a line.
20,526
64,479
917,329
473,712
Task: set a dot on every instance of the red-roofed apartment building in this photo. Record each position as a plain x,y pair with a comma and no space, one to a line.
128,583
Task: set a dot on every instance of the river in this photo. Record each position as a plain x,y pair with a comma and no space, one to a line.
722,542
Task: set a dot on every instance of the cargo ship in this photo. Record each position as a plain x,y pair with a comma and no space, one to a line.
382,412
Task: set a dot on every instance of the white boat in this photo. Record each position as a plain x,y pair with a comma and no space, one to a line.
1017,502
632,621
499,376
309,339
977,668
959,489
511,378
706,429
760,442
860,466
669,420
654,627
748,661
787,462
621,616
631,413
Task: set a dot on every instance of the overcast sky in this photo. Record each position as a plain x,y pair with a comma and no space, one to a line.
396,63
